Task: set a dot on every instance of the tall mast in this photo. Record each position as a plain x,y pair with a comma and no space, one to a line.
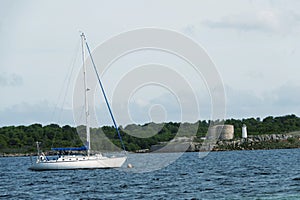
85,96
103,92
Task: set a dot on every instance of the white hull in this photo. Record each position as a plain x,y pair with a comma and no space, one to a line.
79,162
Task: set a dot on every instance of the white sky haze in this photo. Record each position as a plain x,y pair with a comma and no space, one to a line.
253,43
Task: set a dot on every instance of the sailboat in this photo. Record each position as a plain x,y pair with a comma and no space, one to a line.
75,161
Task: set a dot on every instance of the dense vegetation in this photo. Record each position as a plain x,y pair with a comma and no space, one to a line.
269,125
21,139
15,139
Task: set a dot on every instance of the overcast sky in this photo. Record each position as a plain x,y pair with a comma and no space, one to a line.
254,45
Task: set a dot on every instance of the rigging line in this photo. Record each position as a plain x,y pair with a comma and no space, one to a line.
103,92
67,83
68,86
71,68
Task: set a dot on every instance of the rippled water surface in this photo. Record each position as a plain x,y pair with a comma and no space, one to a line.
272,174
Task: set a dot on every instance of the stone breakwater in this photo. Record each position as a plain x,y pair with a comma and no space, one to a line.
273,141
253,142
16,154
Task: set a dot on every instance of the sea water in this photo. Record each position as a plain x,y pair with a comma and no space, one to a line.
262,174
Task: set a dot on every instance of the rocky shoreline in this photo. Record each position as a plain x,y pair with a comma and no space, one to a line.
253,142
16,154
257,142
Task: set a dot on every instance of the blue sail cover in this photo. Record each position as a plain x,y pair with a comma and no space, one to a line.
83,148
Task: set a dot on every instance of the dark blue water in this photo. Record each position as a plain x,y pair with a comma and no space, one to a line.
273,174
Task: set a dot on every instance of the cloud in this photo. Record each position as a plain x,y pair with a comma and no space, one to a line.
182,106
41,112
254,75
264,20
240,104
280,101
288,96
10,80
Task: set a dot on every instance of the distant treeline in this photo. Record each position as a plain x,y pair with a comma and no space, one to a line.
21,139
